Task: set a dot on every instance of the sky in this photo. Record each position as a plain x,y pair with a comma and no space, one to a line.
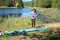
26,0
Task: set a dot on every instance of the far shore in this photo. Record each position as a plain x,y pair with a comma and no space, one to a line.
9,7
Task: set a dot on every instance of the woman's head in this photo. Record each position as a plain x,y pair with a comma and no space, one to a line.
34,10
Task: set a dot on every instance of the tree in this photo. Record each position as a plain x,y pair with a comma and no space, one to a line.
33,3
11,3
2,2
56,3
46,3
21,3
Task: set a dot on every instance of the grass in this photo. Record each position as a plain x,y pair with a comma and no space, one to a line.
42,35
15,23
51,13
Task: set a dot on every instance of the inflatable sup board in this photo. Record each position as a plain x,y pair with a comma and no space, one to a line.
27,30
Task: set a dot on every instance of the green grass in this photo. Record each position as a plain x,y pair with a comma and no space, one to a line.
52,14
44,35
15,23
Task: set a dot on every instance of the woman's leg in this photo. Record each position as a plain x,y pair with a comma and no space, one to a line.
33,22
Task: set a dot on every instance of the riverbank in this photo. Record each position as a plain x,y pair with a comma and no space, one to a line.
15,23
9,7
51,14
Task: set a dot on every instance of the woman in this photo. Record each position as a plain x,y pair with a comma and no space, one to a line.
33,15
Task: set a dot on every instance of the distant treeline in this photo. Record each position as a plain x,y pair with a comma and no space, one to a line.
11,3
44,3
33,3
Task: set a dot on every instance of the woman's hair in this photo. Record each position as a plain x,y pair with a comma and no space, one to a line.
34,10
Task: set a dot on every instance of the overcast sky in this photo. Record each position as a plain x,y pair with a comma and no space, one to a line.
26,0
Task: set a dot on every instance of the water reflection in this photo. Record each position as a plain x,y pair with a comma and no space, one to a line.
8,11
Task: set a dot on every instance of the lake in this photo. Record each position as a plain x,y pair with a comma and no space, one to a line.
24,11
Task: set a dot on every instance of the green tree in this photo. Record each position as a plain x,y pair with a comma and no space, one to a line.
42,3
2,2
33,3
11,3
21,3
56,3
46,3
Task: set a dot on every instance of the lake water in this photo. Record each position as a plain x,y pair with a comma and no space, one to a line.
24,11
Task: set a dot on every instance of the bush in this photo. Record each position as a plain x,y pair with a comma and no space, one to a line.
45,3
56,3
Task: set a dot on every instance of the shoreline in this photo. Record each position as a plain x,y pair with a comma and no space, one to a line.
9,7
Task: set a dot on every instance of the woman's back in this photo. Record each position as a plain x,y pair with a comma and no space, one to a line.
33,15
